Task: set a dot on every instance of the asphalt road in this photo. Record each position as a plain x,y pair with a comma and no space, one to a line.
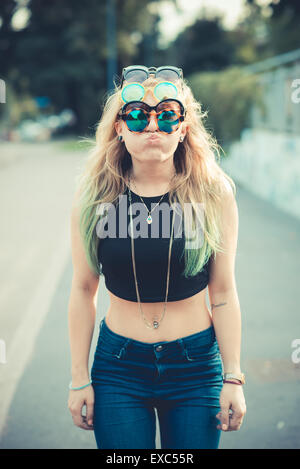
36,271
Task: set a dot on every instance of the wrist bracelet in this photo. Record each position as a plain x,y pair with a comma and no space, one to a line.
232,382
80,387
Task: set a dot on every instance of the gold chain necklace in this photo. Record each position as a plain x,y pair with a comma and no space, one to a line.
155,323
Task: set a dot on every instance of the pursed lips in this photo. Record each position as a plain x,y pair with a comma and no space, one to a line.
153,137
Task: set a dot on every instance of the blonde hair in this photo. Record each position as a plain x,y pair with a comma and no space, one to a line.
199,178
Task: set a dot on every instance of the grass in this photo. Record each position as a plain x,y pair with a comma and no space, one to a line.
74,144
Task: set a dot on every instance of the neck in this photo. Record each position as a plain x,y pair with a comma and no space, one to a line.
150,185
152,177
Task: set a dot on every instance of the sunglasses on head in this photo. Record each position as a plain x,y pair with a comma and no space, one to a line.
137,91
169,113
140,73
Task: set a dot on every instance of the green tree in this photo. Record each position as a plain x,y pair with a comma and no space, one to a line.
227,97
62,52
203,46
282,21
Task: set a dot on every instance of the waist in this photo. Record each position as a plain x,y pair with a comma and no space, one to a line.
181,318
204,337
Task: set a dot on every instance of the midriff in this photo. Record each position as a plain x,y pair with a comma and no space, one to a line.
182,318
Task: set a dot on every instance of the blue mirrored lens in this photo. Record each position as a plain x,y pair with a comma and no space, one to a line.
136,120
167,121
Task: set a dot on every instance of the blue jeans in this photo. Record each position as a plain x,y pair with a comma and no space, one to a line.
181,378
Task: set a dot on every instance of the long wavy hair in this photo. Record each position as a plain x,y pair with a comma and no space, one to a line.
198,179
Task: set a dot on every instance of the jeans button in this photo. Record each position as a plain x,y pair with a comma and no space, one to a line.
159,348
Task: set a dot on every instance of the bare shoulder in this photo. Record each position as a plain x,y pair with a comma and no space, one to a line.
83,276
227,192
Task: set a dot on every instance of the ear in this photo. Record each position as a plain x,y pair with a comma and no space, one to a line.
185,128
118,127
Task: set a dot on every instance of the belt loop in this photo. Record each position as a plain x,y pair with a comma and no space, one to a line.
126,344
183,349
124,348
180,341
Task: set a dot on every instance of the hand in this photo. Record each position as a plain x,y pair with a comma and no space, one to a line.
231,398
77,399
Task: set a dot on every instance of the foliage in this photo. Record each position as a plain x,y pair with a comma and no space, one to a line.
227,96
203,46
62,52
281,19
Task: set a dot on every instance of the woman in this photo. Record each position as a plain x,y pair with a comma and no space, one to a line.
159,346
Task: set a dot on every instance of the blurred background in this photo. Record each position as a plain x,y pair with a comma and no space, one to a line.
59,61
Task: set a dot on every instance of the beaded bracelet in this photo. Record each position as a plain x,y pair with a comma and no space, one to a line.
232,382
80,387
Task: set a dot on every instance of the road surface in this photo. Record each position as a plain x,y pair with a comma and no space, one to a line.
37,183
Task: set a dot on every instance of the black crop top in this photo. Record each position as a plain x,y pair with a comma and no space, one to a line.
151,253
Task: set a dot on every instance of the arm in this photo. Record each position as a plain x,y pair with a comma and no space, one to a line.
226,317
81,320
225,309
82,304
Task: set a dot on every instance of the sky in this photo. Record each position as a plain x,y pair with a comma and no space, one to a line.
172,22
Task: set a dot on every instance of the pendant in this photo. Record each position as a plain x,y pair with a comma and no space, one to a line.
155,324
149,220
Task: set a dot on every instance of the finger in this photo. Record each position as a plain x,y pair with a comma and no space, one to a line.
78,418
89,413
80,422
219,427
218,416
224,418
235,427
236,420
86,425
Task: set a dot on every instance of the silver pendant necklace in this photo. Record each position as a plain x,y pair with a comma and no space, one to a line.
149,218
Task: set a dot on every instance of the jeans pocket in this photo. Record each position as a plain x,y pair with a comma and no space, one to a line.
202,352
109,349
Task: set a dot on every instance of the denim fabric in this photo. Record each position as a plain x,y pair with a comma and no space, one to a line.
182,379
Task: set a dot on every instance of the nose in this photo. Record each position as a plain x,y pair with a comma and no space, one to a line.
152,127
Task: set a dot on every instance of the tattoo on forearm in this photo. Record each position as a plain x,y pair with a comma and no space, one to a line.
216,306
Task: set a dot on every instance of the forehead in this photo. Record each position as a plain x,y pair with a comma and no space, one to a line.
150,97
152,100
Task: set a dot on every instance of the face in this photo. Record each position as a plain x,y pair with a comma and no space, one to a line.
151,144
